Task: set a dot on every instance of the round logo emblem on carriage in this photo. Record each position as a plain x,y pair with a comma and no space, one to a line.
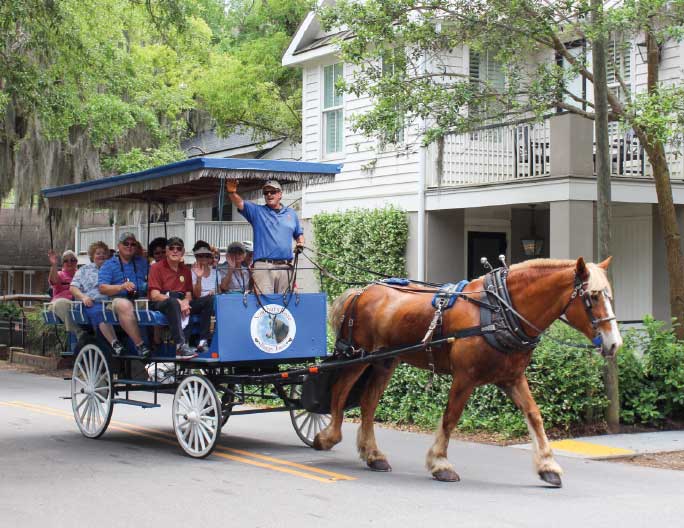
273,328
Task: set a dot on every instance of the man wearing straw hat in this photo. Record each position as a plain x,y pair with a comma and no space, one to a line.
275,226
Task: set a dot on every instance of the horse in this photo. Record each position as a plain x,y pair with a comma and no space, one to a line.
385,317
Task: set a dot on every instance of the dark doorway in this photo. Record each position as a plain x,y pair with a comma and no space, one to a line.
484,244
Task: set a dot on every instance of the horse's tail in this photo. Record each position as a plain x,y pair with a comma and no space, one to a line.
337,309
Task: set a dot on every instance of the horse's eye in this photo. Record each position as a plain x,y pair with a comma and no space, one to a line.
594,296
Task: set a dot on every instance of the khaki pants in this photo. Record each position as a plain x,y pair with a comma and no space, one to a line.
271,278
62,309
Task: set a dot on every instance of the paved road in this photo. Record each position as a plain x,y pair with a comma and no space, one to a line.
262,476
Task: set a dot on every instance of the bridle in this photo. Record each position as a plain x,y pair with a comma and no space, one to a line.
580,289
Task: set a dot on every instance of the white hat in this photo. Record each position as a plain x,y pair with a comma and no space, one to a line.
249,246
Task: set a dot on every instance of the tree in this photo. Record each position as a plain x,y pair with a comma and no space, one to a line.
511,33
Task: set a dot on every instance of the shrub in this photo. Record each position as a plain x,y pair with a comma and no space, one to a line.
372,239
8,310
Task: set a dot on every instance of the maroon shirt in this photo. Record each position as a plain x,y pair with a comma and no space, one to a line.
164,279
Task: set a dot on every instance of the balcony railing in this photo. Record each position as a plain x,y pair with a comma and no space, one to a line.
521,151
216,233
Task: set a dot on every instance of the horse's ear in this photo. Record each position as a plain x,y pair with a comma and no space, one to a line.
605,263
581,269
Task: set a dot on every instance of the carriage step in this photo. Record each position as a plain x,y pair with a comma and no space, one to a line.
67,379
137,403
142,383
65,397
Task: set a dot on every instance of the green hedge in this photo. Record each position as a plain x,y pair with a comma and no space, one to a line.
373,239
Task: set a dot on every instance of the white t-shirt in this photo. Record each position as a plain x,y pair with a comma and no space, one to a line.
208,283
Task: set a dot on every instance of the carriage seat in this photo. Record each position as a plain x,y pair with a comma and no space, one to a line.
148,317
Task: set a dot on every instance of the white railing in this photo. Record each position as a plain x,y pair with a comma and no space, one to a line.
493,154
216,233
629,160
223,233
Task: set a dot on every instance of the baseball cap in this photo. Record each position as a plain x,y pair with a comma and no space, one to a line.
175,241
249,246
126,235
202,250
236,246
273,184
69,253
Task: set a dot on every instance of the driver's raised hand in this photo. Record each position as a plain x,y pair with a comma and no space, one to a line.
231,186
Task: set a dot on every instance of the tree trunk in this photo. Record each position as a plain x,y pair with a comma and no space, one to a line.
603,195
655,151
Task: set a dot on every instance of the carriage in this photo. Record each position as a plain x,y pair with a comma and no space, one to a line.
254,337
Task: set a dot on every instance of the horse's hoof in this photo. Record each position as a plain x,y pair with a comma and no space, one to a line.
379,465
551,478
446,475
318,445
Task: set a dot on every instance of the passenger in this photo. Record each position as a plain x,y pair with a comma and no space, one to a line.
156,250
60,281
124,278
274,227
204,279
170,290
84,288
236,279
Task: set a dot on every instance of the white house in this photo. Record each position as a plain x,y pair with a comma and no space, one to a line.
484,192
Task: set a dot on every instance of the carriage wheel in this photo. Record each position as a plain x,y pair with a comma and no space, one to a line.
196,416
91,391
306,424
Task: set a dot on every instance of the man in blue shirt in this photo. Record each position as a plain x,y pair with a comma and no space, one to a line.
275,226
124,278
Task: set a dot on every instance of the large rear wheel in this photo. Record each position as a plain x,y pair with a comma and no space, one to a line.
196,416
91,391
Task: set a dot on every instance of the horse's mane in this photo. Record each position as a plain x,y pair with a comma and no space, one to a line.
598,280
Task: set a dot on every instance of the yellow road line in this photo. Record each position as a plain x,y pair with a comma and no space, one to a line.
589,449
223,451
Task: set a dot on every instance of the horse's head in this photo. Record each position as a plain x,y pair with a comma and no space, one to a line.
590,308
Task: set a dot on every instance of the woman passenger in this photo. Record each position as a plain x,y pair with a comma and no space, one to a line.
204,279
236,279
156,249
85,289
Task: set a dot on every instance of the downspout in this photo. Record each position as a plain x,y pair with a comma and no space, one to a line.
422,178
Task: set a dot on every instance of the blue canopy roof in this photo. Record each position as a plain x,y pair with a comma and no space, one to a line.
193,179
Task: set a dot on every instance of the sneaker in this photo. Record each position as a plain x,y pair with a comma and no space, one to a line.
185,352
117,348
144,350
202,346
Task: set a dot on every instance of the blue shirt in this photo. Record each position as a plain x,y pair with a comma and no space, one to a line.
86,280
116,271
273,230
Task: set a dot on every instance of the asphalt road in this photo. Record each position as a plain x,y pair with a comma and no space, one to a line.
262,476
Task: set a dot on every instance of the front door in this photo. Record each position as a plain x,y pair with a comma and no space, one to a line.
484,244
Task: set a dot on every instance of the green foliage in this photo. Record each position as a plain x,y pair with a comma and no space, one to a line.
9,309
651,367
137,159
372,239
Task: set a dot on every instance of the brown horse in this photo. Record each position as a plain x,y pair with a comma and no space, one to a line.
385,317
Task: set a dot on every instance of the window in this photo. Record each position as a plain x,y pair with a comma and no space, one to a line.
485,70
333,114
618,64
577,86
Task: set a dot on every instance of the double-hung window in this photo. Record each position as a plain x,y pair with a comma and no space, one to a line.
487,76
333,113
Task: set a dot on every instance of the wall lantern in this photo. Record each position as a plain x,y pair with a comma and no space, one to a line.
532,245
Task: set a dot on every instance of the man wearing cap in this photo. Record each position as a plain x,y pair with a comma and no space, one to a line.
60,281
170,290
275,226
124,278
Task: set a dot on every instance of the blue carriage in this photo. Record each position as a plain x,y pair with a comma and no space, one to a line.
253,335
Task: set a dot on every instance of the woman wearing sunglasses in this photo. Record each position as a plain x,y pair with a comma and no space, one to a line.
60,282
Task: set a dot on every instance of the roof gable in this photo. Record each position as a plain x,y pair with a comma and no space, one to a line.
303,45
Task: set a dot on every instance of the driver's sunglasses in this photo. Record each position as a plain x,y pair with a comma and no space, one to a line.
129,244
72,260
175,248
269,193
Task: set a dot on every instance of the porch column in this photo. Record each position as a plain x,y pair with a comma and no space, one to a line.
572,148
189,237
571,230
445,244
77,235
114,237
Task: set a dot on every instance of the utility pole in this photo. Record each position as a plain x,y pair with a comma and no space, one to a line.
603,198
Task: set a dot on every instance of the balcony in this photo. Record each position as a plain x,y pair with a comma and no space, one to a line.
560,145
216,233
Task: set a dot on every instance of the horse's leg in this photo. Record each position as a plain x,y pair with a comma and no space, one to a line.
547,468
365,439
436,461
332,434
